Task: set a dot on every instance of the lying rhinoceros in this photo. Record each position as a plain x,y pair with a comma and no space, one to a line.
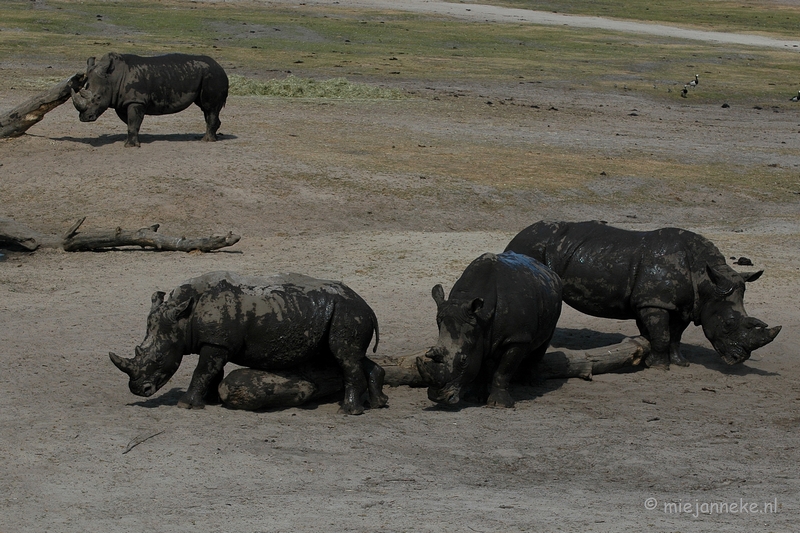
501,312
136,86
665,279
285,323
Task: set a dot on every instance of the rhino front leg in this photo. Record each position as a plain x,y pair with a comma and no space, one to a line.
676,329
654,325
509,363
135,118
208,372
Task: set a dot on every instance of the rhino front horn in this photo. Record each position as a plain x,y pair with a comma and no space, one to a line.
79,101
121,363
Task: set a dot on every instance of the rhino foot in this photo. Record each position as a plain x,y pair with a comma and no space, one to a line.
678,359
500,398
659,361
191,401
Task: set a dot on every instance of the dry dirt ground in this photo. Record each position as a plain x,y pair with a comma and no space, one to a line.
382,195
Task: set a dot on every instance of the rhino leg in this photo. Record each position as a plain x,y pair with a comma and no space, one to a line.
676,330
654,325
135,118
207,373
375,375
212,124
508,365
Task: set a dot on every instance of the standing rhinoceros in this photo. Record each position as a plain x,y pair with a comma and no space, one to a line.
502,311
273,324
665,279
137,86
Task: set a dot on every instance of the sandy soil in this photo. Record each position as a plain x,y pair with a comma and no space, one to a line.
383,195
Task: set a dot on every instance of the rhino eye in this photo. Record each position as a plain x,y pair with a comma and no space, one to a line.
461,360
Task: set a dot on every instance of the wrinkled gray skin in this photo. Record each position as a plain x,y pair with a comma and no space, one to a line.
501,313
273,324
136,86
664,279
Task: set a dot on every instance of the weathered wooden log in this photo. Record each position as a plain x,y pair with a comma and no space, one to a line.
17,121
19,235
146,237
556,364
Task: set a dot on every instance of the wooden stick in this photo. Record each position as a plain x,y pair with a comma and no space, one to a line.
140,439
97,240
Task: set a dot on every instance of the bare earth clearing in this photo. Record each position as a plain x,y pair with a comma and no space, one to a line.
390,197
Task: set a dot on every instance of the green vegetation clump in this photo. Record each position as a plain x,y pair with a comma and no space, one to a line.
296,87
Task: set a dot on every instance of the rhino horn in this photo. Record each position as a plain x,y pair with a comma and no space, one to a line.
81,99
156,300
761,336
126,365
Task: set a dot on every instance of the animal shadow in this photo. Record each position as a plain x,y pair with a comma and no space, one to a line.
584,339
144,138
170,397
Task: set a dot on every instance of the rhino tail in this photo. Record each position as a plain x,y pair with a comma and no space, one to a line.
377,332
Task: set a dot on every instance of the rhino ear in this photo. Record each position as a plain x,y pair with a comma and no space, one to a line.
751,276
180,310
156,300
90,63
476,305
438,294
722,285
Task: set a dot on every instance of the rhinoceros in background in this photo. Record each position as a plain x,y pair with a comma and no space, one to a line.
501,312
137,86
280,324
665,279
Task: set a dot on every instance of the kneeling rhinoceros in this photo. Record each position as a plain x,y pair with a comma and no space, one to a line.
502,311
136,86
272,324
665,279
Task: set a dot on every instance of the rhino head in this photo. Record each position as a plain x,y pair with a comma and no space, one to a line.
733,334
96,95
456,359
160,354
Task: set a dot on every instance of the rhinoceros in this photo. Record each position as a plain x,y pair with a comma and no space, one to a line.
501,313
282,323
664,279
135,86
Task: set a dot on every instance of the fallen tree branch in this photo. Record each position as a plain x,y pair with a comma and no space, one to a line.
20,235
556,364
17,121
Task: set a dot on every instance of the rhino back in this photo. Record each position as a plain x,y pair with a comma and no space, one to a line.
610,272
522,295
268,322
166,83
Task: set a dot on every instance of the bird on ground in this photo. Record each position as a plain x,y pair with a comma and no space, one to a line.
796,98
695,82
684,91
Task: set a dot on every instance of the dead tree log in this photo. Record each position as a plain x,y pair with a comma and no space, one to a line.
556,364
17,121
20,235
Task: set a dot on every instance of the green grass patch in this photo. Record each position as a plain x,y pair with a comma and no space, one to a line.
296,87
319,42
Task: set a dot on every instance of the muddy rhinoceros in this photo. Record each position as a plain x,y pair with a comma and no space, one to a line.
501,312
288,323
664,279
136,86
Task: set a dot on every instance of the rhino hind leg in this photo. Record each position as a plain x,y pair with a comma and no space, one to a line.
375,376
212,124
676,330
